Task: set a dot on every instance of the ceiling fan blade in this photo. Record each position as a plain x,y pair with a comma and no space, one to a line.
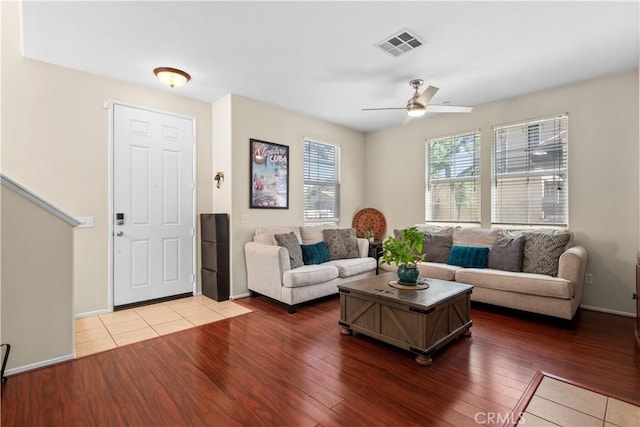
428,93
447,109
384,108
406,120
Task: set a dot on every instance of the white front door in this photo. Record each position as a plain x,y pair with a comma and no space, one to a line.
153,209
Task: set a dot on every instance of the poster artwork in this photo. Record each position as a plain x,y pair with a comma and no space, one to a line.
269,175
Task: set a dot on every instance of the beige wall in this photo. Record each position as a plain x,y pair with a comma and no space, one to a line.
603,172
222,152
252,119
37,283
55,141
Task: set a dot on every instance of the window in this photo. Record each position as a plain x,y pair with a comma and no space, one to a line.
529,173
453,178
321,181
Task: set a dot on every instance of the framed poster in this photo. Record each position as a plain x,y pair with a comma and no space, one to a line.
269,175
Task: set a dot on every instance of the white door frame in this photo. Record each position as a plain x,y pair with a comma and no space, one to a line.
110,230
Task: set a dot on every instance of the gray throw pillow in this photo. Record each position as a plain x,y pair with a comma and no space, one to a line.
342,242
437,247
507,253
290,241
542,252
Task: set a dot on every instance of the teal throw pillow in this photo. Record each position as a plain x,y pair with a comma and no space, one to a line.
468,256
315,254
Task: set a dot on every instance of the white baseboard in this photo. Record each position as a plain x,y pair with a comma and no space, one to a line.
92,313
606,310
41,364
239,296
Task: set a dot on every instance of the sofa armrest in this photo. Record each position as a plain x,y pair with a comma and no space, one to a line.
265,267
363,247
572,266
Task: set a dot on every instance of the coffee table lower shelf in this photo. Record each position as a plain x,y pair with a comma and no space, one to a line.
419,330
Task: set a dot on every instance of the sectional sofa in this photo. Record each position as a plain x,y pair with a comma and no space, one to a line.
298,264
540,271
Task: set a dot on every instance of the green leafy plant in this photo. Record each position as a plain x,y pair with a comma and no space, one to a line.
406,251
369,234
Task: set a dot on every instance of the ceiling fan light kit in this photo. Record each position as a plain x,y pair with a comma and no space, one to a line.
416,110
172,77
418,104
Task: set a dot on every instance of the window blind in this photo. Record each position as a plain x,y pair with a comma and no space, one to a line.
452,191
321,181
530,181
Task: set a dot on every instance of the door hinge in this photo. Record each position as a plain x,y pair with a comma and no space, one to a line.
193,232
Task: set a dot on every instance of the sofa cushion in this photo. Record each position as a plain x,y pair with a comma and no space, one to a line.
437,270
342,243
313,233
265,234
435,229
542,252
290,241
465,236
468,256
436,247
507,253
316,253
523,283
309,275
353,266
434,270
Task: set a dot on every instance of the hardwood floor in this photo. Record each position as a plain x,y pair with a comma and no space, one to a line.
271,368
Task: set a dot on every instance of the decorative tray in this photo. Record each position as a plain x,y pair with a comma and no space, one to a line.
418,286
369,219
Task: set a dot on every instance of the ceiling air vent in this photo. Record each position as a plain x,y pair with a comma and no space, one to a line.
400,43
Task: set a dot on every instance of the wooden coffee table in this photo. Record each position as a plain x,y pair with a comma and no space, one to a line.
421,321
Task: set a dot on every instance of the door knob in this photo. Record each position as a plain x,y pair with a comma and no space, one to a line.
119,234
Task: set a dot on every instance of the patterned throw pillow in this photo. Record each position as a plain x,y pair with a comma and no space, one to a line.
436,247
542,252
290,241
507,253
342,243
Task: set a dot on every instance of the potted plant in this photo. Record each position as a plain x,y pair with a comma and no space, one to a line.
405,252
369,236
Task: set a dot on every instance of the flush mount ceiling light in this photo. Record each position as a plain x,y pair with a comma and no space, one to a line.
172,77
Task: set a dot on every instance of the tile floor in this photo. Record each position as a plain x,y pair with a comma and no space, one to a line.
106,331
556,403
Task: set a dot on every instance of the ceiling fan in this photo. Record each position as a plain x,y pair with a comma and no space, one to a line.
418,104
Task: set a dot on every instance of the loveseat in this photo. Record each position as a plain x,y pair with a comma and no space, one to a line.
539,271
298,264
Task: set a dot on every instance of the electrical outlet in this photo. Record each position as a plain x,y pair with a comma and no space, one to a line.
588,279
244,219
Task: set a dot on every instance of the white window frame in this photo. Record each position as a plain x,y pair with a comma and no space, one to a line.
515,202
327,178
431,181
